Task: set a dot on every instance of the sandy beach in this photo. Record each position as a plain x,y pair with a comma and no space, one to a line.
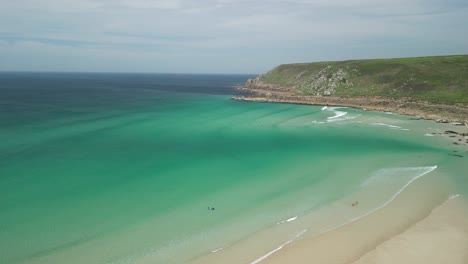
409,230
233,132
282,177
442,237
424,223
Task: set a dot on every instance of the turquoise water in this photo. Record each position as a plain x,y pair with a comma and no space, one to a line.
103,168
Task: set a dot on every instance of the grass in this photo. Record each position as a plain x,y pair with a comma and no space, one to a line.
442,79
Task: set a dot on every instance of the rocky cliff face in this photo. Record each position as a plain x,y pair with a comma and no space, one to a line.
322,83
326,81
258,83
432,87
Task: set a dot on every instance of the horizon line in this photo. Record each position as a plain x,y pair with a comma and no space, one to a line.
124,72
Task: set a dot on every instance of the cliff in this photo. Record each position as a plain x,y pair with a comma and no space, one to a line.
428,87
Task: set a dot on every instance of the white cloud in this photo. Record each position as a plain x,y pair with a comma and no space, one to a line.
51,5
157,4
271,30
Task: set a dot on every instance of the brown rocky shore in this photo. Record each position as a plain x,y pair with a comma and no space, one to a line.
257,91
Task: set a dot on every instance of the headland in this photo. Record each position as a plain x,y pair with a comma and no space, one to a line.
434,88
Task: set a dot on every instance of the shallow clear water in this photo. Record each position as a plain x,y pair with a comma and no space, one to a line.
111,168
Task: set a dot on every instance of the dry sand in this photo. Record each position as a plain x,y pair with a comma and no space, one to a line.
408,230
421,225
442,237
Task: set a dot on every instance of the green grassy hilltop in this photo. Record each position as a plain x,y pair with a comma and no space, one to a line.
441,79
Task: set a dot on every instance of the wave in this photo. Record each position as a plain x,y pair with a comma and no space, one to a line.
293,119
426,171
278,248
339,115
288,220
317,122
381,174
216,250
389,174
390,126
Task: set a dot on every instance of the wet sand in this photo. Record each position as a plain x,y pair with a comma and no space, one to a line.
442,237
424,211
426,223
422,225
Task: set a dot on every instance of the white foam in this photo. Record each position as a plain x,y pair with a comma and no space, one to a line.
389,126
288,220
216,250
317,122
454,196
383,176
344,118
278,248
426,171
429,169
337,113
428,135
389,113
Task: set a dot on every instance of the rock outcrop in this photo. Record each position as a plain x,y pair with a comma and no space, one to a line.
326,81
433,88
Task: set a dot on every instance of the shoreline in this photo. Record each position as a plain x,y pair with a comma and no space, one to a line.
444,228
440,113
453,118
411,204
410,207
446,217
393,235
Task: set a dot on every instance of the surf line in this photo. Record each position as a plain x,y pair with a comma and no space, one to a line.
337,113
389,126
216,250
348,222
385,204
278,248
288,220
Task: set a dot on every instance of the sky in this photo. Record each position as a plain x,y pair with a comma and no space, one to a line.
221,36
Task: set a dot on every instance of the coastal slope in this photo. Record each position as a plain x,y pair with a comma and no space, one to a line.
429,87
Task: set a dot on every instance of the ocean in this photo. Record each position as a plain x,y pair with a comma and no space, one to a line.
166,168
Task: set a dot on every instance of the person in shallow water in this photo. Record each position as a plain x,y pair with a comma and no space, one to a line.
211,208
356,203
